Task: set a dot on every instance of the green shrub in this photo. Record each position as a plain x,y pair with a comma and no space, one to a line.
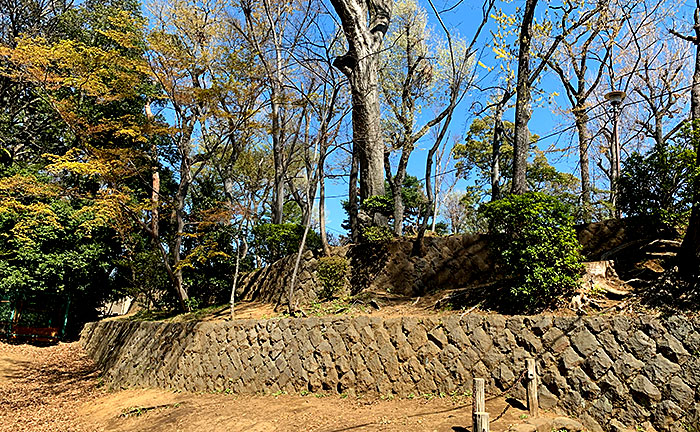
536,247
331,273
272,242
382,204
377,234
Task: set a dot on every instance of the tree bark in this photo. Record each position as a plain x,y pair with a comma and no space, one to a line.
396,184
417,249
352,199
155,177
278,159
277,129
523,111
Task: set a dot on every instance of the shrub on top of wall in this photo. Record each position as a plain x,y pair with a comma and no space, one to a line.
331,273
377,234
535,246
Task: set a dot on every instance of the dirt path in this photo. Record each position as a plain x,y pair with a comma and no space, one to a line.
57,389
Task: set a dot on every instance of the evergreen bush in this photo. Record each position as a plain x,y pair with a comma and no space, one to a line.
535,246
331,273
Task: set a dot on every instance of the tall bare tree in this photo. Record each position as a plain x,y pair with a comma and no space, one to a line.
365,23
572,15
523,110
416,71
585,51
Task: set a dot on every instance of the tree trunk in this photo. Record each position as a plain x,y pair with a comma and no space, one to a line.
399,209
155,178
180,223
436,191
521,146
352,199
366,128
239,256
322,209
278,158
278,188
496,153
365,23
417,249
581,119
396,184
690,249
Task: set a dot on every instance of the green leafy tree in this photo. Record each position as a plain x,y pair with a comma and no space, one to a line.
272,242
413,200
474,160
421,74
658,185
53,249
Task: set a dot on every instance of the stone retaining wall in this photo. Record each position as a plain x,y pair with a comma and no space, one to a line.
633,370
448,262
456,261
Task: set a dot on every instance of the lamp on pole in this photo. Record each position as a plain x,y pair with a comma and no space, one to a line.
615,97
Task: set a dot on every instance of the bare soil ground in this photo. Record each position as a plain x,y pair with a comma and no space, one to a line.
56,388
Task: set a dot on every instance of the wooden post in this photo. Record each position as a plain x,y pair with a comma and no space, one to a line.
479,402
532,385
481,422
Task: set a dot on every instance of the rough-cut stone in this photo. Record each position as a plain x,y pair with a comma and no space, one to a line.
482,341
417,337
590,423
570,359
455,333
598,364
437,335
627,365
609,343
617,426
529,341
611,386
564,423
645,391
547,400
588,388
541,324
642,346
669,411
670,347
555,340
680,392
504,340
584,342
659,370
